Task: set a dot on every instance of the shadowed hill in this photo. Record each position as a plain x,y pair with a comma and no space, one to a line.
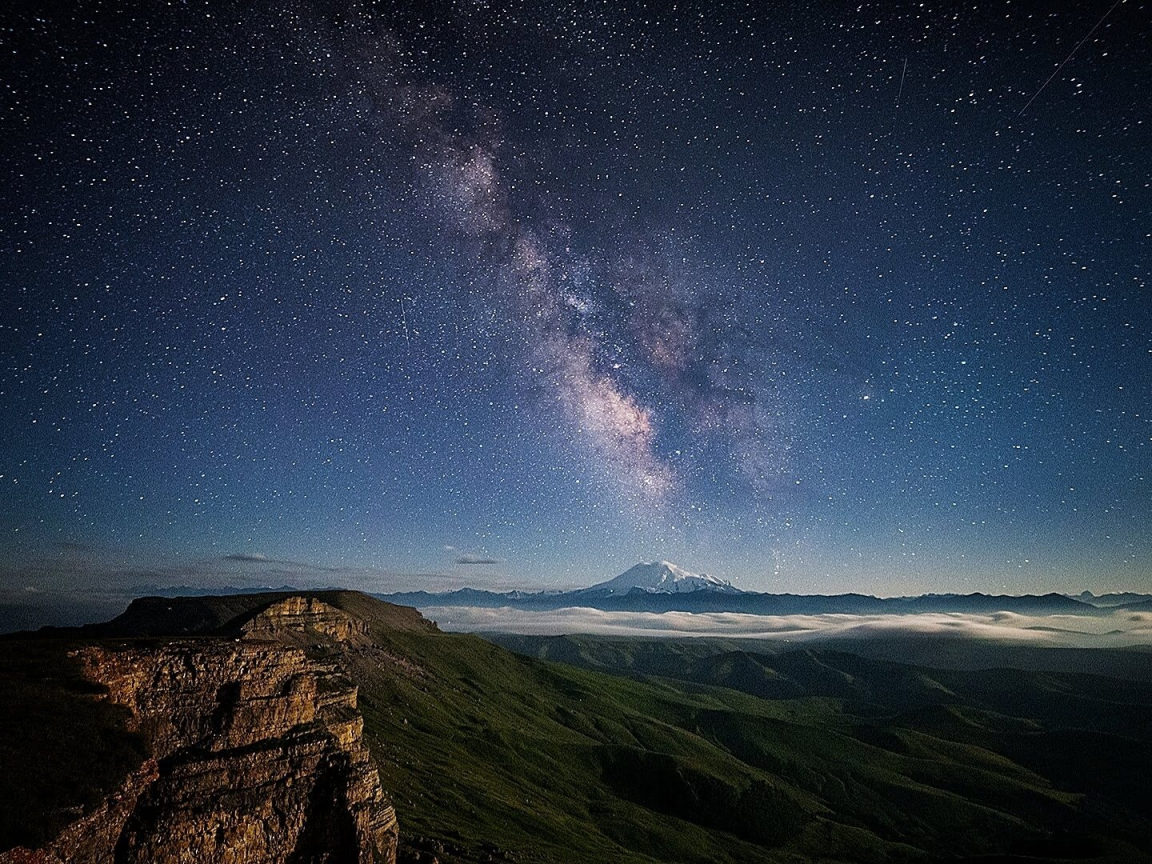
865,686
693,755
226,615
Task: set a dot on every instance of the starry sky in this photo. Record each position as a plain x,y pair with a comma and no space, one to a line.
814,297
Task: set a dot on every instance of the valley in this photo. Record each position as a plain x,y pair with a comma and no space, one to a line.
655,750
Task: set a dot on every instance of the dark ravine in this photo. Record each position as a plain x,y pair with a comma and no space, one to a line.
255,748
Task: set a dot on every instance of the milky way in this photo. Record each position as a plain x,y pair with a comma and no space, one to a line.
802,297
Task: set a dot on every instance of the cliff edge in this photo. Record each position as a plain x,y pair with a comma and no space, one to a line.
254,740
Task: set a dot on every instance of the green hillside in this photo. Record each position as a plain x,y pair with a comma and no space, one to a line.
674,752
845,761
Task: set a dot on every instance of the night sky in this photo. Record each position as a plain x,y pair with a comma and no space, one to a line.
814,297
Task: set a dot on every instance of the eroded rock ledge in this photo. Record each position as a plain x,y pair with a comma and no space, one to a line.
256,752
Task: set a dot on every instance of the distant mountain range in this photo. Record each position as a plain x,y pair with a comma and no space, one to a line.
1123,600
658,577
661,586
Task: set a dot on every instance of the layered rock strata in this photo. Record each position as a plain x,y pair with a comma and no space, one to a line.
256,752
305,620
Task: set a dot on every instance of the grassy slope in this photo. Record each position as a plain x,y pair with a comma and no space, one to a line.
863,761
582,766
488,746
1081,737
938,652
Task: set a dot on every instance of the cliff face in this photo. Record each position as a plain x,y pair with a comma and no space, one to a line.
256,751
306,620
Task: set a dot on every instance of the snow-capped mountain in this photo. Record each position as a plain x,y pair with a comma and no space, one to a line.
659,577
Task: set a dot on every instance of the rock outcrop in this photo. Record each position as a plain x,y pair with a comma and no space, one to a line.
305,620
256,751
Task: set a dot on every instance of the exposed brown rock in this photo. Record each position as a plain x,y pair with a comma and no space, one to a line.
305,619
256,752
225,615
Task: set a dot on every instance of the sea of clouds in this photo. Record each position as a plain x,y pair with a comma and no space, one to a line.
1112,629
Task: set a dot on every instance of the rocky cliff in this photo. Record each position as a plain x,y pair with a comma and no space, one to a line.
255,749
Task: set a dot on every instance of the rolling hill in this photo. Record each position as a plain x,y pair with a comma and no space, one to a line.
679,753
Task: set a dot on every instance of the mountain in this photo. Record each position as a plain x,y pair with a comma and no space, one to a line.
640,580
243,744
1125,598
664,587
863,684
658,577
474,597
655,750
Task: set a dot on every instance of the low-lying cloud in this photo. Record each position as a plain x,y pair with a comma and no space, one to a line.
1116,630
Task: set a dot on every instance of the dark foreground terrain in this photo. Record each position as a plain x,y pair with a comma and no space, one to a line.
627,751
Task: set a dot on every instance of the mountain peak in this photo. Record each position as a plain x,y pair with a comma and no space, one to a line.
659,577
